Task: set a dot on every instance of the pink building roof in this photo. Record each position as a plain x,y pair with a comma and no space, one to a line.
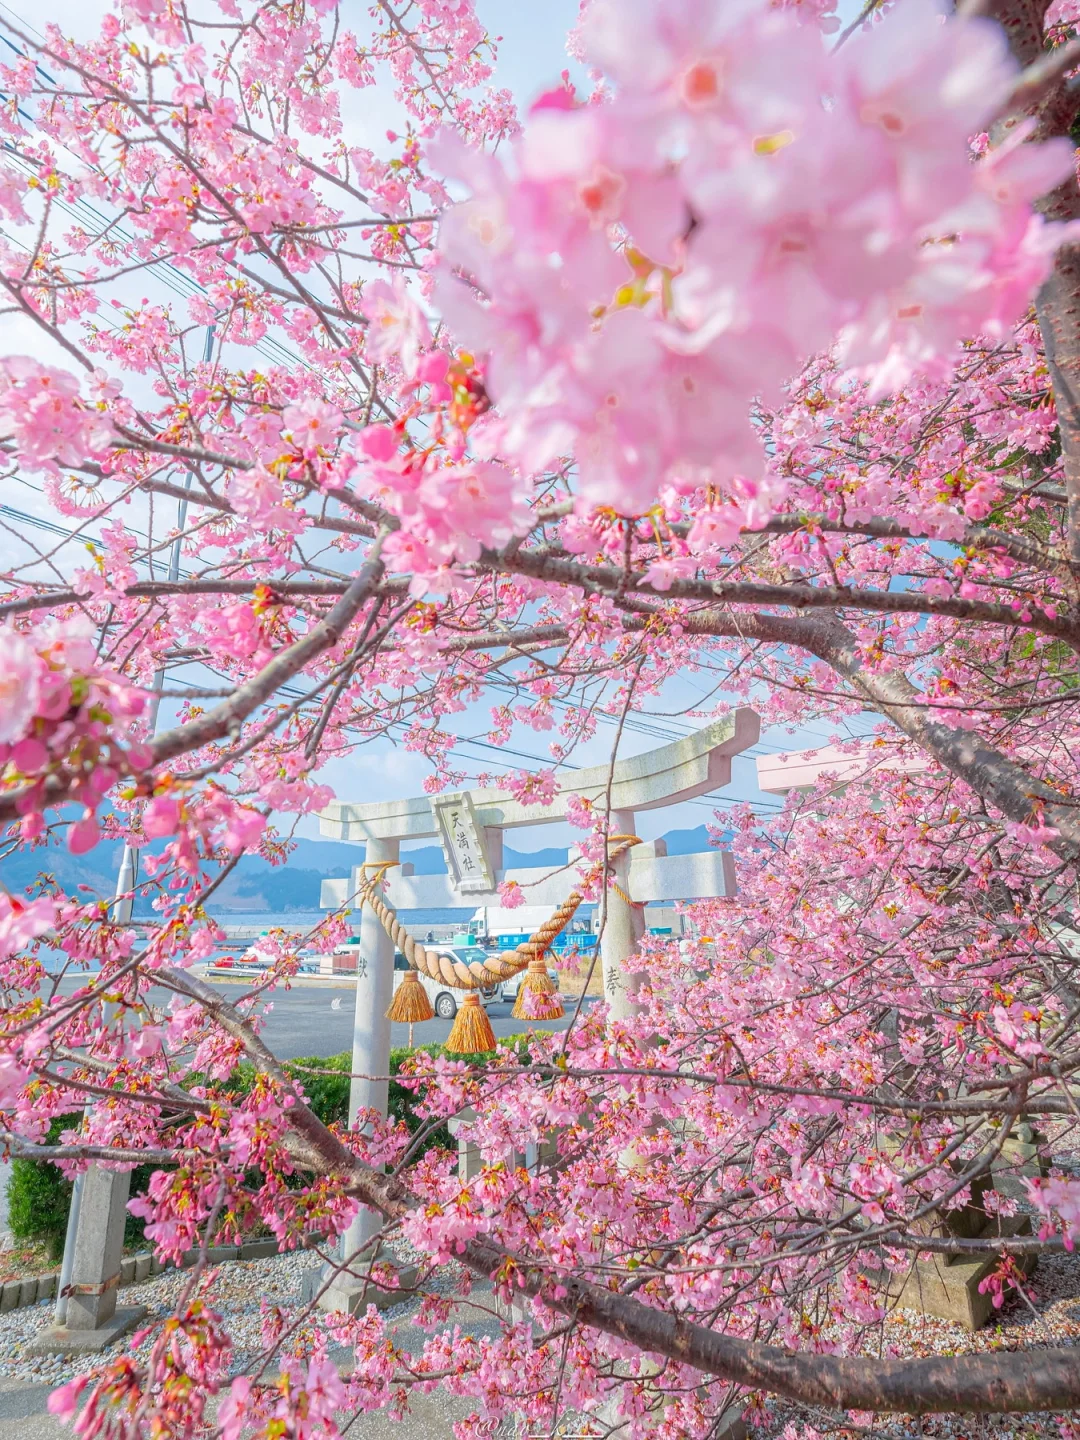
801,769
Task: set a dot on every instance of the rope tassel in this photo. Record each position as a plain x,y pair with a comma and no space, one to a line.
537,997
471,1032
410,1003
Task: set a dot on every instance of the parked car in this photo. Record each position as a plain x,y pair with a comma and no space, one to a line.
511,987
444,1000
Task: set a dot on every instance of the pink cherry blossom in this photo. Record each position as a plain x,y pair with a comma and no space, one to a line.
233,1410
511,894
22,921
41,407
147,1041
13,1076
161,817
12,191
84,834
64,1402
311,425
1058,1199
397,329
768,275
19,684
244,829
711,380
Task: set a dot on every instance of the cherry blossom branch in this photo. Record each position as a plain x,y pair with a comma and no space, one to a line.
1040,78
990,774
606,579
118,1155
982,1384
981,536
157,589
226,719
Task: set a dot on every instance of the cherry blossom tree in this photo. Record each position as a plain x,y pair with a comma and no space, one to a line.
756,355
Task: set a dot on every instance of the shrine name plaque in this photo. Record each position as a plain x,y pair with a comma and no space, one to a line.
463,843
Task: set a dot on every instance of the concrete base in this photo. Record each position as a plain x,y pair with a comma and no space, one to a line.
354,1290
1023,1157
258,1249
950,1291
59,1340
733,1426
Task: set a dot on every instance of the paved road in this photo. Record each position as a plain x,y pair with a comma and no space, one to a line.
318,1020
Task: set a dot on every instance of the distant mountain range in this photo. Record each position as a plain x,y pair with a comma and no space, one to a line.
257,886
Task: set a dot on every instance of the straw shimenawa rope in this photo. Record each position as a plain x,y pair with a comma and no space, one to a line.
493,969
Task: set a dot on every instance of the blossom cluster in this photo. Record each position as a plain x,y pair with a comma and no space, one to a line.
651,266
1058,1201
60,709
43,412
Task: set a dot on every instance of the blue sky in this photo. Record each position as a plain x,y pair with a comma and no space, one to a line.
532,52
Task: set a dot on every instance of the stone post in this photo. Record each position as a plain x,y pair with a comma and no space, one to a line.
374,991
87,1317
368,1090
99,1244
470,1161
92,1318
624,927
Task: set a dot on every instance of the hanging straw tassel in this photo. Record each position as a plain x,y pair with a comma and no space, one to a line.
410,1003
471,1032
537,997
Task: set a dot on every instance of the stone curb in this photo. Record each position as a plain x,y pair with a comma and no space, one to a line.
28,1290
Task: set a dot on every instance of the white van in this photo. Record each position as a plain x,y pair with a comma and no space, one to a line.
444,1000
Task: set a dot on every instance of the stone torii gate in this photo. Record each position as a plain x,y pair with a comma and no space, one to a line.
470,826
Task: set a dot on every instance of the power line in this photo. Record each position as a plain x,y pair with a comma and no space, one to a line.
50,527
175,279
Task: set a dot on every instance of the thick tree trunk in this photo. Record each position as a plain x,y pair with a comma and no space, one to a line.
999,780
1058,311
1058,303
1002,782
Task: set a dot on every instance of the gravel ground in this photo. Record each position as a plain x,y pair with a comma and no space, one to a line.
1054,1319
26,1381
240,1289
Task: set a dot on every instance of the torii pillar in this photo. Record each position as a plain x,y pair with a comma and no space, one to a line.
369,1089
470,826
624,928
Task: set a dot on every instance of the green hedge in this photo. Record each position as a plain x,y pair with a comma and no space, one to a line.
328,1094
39,1197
